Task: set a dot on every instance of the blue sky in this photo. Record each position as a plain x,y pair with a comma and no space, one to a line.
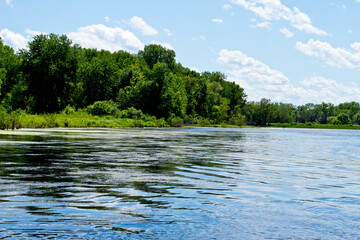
292,51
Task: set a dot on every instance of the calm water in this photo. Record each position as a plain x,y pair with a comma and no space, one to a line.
180,184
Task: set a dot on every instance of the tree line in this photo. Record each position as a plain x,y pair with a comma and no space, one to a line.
53,74
265,112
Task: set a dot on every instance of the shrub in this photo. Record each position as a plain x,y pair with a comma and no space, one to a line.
237,120
175,121
69,110
134,113
138,123
101,108
9,120
160,122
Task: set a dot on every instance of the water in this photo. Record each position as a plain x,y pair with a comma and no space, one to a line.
197,183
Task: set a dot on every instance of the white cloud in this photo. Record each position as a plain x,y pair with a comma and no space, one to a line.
34,33
195,69
168,32
227,7
287,33
202,37
139,24
262,25
336,57
248,68
329,90
10,3
102,37
260,81
216,20
274,10
14,40
164,44
107,19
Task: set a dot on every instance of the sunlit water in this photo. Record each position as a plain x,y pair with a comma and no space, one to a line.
197,183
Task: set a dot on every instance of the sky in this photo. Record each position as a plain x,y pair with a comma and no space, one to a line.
291,51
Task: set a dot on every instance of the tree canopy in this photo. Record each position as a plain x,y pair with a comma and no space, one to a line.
53,73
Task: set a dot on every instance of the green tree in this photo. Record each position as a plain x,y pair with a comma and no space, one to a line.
154,53
98,77
50,68
9,69
173,97
343,118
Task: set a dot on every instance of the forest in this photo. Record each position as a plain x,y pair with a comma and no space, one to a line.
62,84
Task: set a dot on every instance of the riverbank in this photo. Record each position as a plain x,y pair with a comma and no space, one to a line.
314,125
80,119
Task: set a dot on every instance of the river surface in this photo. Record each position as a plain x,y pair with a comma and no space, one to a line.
199,183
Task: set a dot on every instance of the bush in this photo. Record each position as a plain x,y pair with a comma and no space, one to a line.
51,121
160,122
138,123
69,110
237,120
9,120
101,108
132,113
175,121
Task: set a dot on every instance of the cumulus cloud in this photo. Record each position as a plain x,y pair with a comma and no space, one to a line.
336,57
195,69
14,40
10,3
102,37
164,44
274,10
332,91
139,24
216,20
202,37
107,19
34,33
287,33
251,69
261,81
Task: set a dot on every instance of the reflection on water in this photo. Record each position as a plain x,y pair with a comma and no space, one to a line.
180,184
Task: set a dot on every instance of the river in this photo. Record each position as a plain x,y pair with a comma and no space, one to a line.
190,183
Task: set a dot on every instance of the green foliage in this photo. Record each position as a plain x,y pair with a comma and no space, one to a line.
343,118
175,121
69,110
154,53
98,74
101,108
9,120
50,67
356,118
132,113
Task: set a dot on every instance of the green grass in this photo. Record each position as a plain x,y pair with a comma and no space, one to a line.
314,125
80,120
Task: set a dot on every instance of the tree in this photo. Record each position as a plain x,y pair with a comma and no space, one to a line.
173,97
98,77
50,69
154,53
343,118
9,69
